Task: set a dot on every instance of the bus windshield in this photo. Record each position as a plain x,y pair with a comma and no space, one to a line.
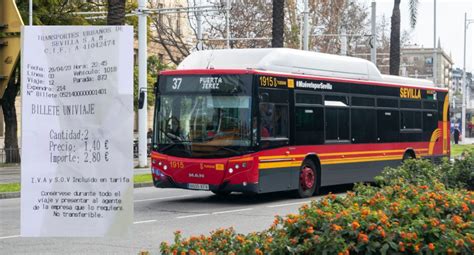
200,124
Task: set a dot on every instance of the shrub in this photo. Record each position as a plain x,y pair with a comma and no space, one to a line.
456,174
414,171
403,218
460,174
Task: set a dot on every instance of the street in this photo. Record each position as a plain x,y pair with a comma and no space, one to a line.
158,213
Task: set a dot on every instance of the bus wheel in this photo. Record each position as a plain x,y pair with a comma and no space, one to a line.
307,179
221,193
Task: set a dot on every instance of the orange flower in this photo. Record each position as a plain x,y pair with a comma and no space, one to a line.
325,202
442,227
355,225
310,230
203,252
456,219
401,246
431,246
192,252
423,187
175,252
382,233
365,211
276,221
240,239
258,252
363,238
465,208
183,253
336,227
372,227
434,222
459,242
417,248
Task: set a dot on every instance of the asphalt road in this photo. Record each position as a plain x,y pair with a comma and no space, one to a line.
157,214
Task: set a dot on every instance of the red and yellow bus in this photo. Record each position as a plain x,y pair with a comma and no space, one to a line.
265,120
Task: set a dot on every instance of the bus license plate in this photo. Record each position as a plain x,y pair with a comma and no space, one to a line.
198,186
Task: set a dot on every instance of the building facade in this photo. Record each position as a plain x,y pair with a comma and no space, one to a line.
417,62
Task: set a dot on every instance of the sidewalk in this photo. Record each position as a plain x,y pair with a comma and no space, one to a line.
467,140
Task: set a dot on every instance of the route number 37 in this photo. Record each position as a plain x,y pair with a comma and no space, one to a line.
176,83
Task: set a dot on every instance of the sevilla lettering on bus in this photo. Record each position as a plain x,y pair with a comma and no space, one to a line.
410,93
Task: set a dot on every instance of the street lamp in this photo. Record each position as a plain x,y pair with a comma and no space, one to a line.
463,117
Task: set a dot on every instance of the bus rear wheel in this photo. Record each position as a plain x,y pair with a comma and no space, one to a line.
307,179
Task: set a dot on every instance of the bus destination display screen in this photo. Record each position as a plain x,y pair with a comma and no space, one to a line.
226,84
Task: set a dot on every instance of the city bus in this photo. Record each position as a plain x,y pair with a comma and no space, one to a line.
267,120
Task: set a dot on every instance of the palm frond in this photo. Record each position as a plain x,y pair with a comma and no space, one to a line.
413,12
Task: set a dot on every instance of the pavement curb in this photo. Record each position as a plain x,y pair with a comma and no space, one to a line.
7,195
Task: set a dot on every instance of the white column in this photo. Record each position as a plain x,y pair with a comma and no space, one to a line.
142,84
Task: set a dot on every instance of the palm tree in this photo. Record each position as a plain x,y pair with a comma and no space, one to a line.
395,33
116,12
278,24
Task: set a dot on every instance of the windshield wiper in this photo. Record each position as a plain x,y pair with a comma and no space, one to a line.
230,150
169,146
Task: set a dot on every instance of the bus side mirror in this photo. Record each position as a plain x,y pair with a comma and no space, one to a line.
141,99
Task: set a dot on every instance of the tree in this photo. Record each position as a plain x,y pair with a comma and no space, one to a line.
395,33
278,23
47,12
115,12
9,115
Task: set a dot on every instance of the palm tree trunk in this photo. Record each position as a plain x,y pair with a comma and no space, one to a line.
116,12
12,153
278,23
395,39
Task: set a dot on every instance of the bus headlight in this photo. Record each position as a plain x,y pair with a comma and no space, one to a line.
165,167
231,170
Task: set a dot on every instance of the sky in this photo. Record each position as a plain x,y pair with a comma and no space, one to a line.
449,21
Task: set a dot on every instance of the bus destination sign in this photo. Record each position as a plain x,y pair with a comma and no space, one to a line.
207,83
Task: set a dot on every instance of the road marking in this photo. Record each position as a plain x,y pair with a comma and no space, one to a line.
193,215
144,221
232,211
7,237
161,198
281,205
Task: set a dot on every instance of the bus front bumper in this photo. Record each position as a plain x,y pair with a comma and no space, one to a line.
167,182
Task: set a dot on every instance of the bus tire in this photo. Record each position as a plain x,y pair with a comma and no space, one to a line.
221,193
307,179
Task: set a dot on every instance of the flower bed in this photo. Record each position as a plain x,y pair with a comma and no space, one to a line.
419,209
387,220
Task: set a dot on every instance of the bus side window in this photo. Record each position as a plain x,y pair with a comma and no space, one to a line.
274,120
